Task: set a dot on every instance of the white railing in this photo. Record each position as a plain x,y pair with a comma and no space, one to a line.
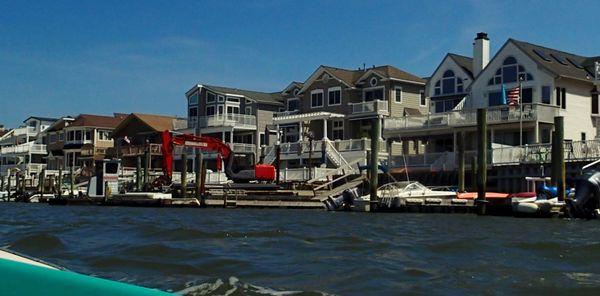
242,147
285,113
377,106
29,168
303,174
25,130
24,149
497,114
236,120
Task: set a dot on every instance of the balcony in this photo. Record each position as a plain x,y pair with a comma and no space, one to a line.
376,107
461,118
24,149
29,168
139,150
285,113
239,121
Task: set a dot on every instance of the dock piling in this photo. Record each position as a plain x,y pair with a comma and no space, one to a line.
202,180
41,182
1,183
72,174
482,144
146,168
17,182
461,162
184,174
374,165
277,162
559,162
60,181
138,173
8,186
198,177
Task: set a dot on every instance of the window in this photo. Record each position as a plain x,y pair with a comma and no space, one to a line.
595,104
293,104
221,99
233,99
561,97
373,81
449,84
104,135
248,110
334,96
71,136
78,135
545,95
220,110
61,136
437,89
88,135
231,110
193,99
527,94
398,94
510,72
583,136
262,139
316,98
495,98
373,94
210,110
296,91
193,112
210,97
338,130
422,98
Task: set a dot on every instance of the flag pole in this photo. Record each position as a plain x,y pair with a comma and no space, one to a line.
521,111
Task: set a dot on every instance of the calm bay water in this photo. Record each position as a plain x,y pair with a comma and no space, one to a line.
306,252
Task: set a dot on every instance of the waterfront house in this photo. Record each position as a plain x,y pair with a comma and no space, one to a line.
55,141
140,133
80,141
236,116
552,83
335,108
23,149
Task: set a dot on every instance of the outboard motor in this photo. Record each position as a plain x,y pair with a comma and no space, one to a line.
343,201
587,196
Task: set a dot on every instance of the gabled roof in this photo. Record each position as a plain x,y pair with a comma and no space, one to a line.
90,120
59,124
47,119
273,98
466,63
156,123
554,66
391,72
292,85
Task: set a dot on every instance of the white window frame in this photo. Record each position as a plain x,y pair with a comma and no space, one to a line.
195,102
208,95
214,110
294,99
314,92
248,108
373,84
422,98
264,139
335,128
333,89
220,98
396,89
373,88
233,99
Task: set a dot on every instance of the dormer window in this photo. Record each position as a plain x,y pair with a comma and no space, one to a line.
193,99
510,72
326,77
449,84
373,81
296,91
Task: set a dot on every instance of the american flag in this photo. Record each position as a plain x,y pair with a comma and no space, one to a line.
513,96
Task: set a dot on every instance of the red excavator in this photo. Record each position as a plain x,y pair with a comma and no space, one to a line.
239,167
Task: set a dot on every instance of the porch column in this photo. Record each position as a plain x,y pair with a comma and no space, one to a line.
278,135
536,133
223,136
231,135
300,137
324,129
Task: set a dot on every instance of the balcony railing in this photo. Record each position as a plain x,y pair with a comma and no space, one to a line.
140,150
285,113
339,145
498,114
242,147
24,167
24,149
375,107
233,120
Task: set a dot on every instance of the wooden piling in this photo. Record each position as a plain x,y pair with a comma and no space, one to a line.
203,179
473,173
41,182
198,177
184,168
8,186
374,161
60,181
558,163
1,183
138,173
461,162
17,182
146,169
482,144
277,162
72,173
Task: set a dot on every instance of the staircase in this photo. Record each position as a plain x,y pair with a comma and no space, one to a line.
350,183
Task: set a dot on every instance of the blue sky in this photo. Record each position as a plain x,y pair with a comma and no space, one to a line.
69,57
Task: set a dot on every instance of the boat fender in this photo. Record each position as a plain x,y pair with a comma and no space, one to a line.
527,207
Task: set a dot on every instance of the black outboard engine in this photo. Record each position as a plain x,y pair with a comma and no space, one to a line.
343,201
587,197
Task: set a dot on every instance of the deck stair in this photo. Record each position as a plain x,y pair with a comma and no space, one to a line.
348,181
231,196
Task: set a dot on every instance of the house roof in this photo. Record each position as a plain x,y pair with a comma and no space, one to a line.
582,71
97,121
59,124
466,63
392,72
48,119
412,111
273,98
157,123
